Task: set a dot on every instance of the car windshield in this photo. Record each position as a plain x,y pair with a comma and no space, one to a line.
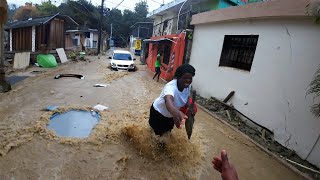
121,56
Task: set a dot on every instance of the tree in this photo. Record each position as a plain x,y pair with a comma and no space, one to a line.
26,11
12,8
82,11
313,9
141,11
47,8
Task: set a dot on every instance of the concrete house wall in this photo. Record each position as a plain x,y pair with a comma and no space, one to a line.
273,93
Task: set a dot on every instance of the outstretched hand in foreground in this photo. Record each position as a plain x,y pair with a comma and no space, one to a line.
221,164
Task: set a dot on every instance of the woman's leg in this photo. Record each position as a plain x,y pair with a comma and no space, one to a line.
155,75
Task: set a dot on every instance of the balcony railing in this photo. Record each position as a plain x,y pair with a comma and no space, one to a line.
169,26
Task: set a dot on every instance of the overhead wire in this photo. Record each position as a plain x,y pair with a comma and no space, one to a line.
157,2
118,4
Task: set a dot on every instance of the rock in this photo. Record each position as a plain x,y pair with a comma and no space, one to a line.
4,86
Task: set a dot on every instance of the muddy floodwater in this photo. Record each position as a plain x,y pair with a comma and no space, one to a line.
121,145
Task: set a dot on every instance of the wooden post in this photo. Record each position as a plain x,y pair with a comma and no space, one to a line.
4,86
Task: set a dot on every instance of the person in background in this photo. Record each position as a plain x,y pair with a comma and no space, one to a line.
227,170
157,66
165,110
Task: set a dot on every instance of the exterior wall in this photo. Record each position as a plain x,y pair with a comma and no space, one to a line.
273,93
69,42
22,39
56,35
171,27
91,39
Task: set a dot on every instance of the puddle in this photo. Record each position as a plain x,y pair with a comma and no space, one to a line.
76,124
15,79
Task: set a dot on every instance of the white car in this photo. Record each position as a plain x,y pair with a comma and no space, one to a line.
121,59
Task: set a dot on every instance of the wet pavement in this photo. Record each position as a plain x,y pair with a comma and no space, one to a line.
121,146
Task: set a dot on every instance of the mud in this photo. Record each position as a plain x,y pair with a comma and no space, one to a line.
122,145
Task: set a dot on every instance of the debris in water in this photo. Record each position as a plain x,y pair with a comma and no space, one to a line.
100,107
52,108
101,85
69,75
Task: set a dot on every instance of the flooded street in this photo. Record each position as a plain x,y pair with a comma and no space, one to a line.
121,146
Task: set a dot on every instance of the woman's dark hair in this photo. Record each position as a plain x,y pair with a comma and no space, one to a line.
185,68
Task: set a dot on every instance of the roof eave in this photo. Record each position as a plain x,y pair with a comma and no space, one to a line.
261,10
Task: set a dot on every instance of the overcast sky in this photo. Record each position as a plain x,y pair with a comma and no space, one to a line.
126,4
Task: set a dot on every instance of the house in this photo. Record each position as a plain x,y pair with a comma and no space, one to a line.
267,53
37,35
86,37
172,33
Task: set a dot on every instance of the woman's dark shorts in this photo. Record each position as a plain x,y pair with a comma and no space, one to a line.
159,123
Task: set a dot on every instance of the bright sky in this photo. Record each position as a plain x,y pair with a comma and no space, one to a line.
126,4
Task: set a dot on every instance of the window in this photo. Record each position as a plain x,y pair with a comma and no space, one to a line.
238,51
95,43
75,42
120,56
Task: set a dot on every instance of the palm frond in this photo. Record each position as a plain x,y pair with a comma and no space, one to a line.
315,109
314,89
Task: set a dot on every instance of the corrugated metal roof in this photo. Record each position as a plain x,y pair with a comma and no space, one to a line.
37,21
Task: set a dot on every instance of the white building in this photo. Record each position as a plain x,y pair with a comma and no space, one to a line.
268,54
86,37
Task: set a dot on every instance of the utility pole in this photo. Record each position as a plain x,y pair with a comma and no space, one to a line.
111,31
4,85
100,28
111,42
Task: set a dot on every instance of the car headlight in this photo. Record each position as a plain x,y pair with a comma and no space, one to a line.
113,64
132,65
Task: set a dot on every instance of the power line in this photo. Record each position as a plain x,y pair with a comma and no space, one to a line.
119,4
157,2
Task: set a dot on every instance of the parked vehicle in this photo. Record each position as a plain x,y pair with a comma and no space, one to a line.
121,59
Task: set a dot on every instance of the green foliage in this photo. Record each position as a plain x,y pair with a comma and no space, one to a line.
47,8
122,21
313,9
12,8
82,11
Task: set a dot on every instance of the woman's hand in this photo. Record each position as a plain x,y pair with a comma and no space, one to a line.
179,118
